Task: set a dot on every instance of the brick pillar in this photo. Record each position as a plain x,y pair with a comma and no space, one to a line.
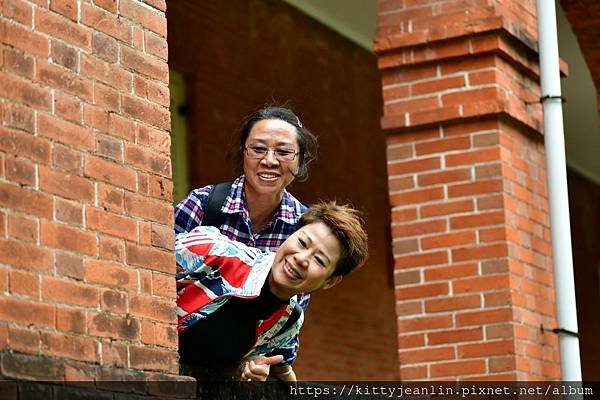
86,263
466,168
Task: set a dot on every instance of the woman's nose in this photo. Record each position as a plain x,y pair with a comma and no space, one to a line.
302,258
269,158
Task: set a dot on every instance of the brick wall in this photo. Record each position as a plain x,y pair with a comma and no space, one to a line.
86,288
238,55
466,169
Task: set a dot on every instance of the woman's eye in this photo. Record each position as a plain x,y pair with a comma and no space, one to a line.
259,149
283,152
302,243
321,262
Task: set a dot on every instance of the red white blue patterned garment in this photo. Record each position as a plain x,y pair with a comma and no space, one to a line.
237,225
215,268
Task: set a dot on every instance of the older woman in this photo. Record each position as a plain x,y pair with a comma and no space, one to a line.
274,150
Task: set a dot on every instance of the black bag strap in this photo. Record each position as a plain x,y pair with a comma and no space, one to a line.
291,320
216,198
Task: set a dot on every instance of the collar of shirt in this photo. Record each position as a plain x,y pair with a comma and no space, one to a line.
235,203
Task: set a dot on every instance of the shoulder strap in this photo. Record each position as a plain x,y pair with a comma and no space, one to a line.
216,198
296,311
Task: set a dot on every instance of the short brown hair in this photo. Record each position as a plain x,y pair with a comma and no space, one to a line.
347,226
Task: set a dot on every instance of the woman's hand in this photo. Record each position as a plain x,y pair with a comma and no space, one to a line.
257,369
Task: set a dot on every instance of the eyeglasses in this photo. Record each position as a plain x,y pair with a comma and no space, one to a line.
258,152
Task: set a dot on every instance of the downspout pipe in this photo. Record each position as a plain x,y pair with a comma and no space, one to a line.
554,142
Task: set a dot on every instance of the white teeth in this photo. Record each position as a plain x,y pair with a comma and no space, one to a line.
292,271
268,176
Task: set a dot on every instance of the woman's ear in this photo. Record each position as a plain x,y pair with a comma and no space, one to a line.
331,281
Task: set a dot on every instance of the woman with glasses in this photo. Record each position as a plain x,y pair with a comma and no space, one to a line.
274,150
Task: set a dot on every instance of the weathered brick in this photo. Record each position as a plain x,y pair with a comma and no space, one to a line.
24,255
68,107
68,8
64,55
95,117
19,10
70,320
152,308
160,187
156,45
153,359
121,127
64,79
112,224
33,367
27,312
148,18
23,199
18,62
69,265
24,39
145,65
70,212
24,283
106,97
163,236
25,91
107,22
150,209
111,248
110,74
20,170
70,346
163,285
65,132
111,198
111,274
24,340
67,238
60,27
14,115
110,172
147,112
105,47
113,301
66,185
106,325
114,354
69,292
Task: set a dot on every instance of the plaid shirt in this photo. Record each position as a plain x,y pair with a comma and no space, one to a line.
238,226
215,269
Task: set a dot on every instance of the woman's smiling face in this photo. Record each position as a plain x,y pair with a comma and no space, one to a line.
305,261
268,175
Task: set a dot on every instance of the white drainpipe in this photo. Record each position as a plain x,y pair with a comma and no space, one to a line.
557,192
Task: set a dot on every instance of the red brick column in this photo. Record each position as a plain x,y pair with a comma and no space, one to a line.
86,267
467,183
